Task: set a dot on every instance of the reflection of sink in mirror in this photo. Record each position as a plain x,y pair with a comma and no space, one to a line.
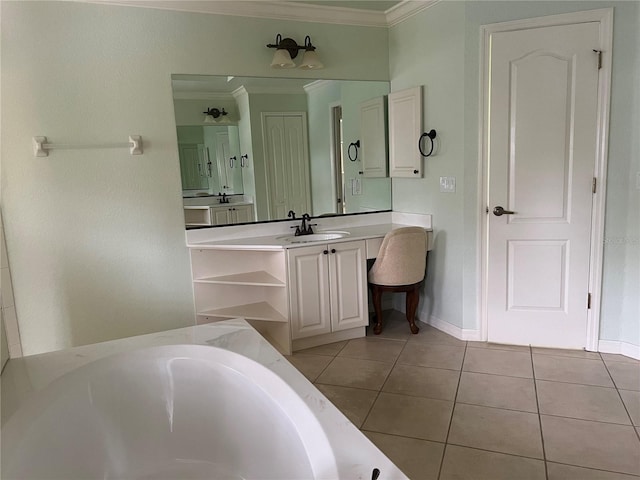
314,237
246,151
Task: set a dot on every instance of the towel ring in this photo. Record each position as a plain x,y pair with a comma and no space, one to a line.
431,135
356,145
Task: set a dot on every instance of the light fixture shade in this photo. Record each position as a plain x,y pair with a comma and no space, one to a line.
310,61
209,119
282,59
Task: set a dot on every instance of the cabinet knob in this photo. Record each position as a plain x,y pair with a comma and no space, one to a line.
416,172
325,252
333,250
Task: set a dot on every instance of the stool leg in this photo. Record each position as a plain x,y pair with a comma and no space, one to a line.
376,293
413,297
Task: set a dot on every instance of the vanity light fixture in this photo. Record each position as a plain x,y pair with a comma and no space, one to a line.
287,50
214,115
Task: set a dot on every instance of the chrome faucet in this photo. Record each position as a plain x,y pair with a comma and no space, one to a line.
304,228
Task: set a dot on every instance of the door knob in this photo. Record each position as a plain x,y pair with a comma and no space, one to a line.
499,211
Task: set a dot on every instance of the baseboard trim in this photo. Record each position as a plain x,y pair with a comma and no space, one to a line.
453,330
622,348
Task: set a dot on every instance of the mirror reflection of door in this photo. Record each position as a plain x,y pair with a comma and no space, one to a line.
287,161
193,167
336,154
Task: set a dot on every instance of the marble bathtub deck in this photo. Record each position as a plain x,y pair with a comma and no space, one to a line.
441,408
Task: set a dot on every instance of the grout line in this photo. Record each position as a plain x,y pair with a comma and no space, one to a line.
453,409
535,391
631,475
385,381
621,399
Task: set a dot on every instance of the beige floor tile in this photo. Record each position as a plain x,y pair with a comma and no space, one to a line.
632,402
353,372
432,355
354,403
499,346
394,326
603,446
423,382
418,459
330,349
614,358
497,391
415,417
378,349
462,463
625,375
498,430
309,365
587,402
560,352
498,362
557,471
571,370
429,334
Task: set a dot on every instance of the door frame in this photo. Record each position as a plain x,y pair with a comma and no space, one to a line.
603,16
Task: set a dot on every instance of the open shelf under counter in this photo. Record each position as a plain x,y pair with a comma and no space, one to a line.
252,311
258,279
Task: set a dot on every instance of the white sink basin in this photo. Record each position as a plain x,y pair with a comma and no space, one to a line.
314,237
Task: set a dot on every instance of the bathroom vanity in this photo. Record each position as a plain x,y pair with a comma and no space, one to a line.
298,291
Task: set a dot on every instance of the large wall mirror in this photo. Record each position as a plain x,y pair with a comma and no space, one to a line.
269,146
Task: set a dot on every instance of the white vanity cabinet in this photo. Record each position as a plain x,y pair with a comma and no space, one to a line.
230,214
243,283
327,288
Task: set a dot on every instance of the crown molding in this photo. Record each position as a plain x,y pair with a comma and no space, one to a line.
239,92
310,87
202,96
282,10
405,9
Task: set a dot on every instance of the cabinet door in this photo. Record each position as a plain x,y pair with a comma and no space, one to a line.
348,285
243,214
309,291
373,137
220,216
405,128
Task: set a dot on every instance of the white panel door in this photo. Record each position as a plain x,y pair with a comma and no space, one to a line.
348,285
287,163
405,128
309,291
542,150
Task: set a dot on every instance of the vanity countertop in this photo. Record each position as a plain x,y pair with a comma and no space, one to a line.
279,242
356,456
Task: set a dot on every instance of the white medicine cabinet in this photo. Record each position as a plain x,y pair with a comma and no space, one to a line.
405,127
373,137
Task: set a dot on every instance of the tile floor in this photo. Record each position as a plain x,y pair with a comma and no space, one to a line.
442,408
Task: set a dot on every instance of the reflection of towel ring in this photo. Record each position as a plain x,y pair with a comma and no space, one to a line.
431,134
244,163
231,161
356,145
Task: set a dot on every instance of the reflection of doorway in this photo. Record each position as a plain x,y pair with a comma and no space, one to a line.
286,155
223,157
336,155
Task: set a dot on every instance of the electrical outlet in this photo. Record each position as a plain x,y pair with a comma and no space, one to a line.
448,184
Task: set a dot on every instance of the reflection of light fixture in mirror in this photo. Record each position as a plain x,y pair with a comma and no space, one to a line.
287,50
213,115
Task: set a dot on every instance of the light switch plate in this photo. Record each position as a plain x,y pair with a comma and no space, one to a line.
356,186
448,184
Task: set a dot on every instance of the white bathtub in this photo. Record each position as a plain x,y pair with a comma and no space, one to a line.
175,412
